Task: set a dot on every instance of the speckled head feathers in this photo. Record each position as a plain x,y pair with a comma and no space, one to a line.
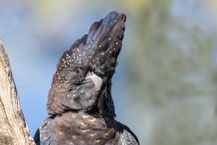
95,52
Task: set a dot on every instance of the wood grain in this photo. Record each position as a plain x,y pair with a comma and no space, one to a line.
13,129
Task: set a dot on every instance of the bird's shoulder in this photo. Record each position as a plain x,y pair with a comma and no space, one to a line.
127,137
42,135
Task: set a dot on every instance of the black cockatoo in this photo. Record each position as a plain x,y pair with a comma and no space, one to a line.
80,102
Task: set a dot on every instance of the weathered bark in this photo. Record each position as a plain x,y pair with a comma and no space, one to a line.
13,129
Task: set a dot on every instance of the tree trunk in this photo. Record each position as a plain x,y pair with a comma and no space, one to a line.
13,129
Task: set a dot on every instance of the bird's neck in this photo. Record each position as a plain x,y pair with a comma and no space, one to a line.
105,104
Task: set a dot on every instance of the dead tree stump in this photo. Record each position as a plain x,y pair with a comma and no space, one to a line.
13,129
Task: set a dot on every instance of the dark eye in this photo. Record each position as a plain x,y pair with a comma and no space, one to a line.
77,71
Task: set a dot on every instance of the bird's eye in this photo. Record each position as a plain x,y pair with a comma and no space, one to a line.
77,71
91,71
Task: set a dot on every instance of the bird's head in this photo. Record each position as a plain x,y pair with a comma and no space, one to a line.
86,69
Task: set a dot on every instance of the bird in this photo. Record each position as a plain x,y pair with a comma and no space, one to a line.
80,102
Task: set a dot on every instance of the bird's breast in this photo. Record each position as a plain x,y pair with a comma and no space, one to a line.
82,128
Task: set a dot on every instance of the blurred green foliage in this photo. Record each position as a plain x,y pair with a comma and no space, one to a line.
171,75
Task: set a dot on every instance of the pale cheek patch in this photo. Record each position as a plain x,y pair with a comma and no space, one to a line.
96,79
